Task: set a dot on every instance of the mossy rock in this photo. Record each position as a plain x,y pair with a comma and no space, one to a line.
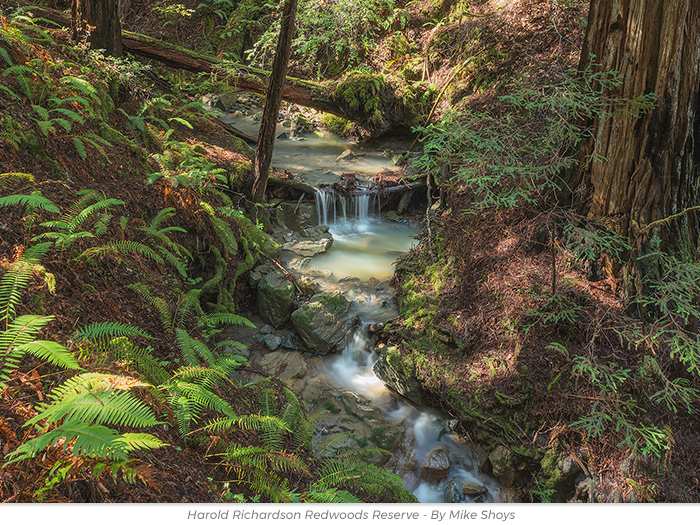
322,323
275,299
398,371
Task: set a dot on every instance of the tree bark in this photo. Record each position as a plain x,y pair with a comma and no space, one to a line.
645,168
268,123
98,22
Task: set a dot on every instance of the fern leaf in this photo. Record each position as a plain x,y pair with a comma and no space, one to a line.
211,320
107,330
22,330
94,441
35,201
123,247
110,407
80,147
190,348
162,216
52,352
163,309
140,441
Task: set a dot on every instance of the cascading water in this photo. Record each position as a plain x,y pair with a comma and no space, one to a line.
332,207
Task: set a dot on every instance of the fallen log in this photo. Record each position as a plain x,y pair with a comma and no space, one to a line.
363,98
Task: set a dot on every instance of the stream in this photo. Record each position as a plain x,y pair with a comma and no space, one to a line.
350,405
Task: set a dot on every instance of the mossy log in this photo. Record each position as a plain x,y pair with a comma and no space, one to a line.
365,99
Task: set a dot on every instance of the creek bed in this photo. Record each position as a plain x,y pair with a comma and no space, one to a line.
351,406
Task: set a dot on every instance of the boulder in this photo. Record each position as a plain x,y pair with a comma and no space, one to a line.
502,464
436,465
398,373
345,155
322,323
295,217
225,102
275,298
284,365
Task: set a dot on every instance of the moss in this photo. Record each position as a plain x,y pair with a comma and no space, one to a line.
337,125
361,93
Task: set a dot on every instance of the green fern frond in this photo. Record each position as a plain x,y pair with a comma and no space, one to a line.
22,330
52,352
15,176
85,213
102,224
246,422
90,381
162,216
140,441
35,201
106,330
189,304
211,320
95,441
223,230
139,359
123,248
99,406
191,348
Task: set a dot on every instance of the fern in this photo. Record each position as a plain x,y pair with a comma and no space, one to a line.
101,332
223,230
211,320
139,359
19,338
94,441
34,201
190,348
123,247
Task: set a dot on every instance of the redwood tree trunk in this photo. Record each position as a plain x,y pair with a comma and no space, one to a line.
645,168
98,22
268,123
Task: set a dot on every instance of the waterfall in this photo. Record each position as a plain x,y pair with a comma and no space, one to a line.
360,206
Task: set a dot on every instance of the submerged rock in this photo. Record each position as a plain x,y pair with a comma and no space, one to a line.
322,323
275,298
436,465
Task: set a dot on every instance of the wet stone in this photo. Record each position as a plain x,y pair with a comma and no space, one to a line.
471,487
436,465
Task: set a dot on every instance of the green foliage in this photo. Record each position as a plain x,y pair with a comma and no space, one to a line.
83,405
182,166
515,156
334,38
32,202
16,279
69,228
